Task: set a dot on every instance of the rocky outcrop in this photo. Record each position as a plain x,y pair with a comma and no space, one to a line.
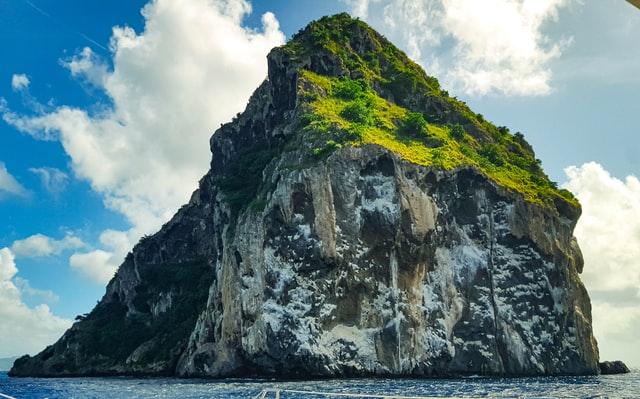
614,367
354,263
366,264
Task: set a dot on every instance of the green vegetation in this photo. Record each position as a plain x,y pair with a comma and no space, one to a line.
111,331
414,125
383,63
348,89
107,332
351,113
457,132
391,102
242,183
491,152
327,149
358,111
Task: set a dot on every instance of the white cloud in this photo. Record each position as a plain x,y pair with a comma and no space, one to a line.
359,8
475,46
8,267
39,245
26,289
100,265
53,180
609,227
9,184
23,329
87,66
609,235
19,81
191,69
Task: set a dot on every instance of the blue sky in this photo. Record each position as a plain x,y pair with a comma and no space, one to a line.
34,45
565,73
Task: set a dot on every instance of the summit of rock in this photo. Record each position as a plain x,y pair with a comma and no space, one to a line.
403,109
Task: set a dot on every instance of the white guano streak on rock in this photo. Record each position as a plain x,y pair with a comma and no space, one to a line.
393,267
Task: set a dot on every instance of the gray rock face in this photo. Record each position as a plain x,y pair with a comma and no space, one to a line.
365,264
357,264
614,367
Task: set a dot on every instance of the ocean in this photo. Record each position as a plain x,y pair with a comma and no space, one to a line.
614,386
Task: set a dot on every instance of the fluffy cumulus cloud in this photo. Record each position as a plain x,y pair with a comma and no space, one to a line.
191,69
19,82
23,329
9,185
609,235
475,46
53,180
39,245
27,290
87,66
100,264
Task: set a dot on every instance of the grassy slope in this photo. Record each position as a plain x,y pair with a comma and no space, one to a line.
352,112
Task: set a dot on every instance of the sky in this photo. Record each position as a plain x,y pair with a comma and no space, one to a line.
107,108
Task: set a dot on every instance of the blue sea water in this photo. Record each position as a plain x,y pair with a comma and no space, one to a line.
616,386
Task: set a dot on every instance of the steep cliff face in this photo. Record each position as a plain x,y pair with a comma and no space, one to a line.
356,220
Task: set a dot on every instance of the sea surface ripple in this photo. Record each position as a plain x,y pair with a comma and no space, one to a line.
614,386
